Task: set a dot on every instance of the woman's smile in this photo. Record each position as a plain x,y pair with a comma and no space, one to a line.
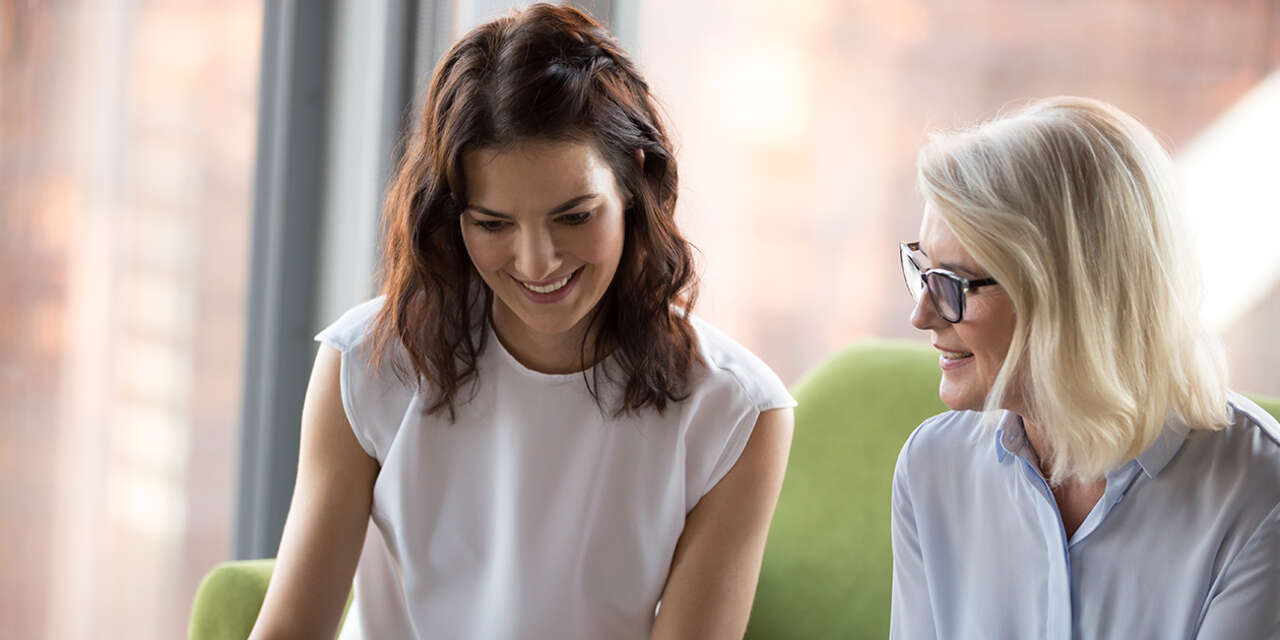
549,291
951,360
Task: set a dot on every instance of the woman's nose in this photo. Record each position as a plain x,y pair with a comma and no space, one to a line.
537,257
924,315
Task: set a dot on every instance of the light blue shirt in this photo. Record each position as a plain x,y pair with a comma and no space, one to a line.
1184,543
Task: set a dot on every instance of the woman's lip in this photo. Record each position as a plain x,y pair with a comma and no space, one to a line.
554,296
543,283
948,364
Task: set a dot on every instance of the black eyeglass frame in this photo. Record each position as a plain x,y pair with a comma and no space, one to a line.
962,284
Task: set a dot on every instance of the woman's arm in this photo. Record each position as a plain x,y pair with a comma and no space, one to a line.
327,517
1247,602
717,560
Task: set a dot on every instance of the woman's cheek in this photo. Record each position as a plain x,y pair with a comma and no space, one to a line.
486,253
603,245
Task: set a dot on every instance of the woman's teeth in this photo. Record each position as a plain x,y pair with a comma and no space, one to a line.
554,286
955,355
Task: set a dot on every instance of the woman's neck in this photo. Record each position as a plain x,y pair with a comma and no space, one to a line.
1039,444
547,353
1035,433
1075,499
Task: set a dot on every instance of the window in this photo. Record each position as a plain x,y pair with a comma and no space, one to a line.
800,122
126,173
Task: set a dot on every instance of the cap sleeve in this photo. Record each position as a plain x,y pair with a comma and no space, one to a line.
736,388
375,401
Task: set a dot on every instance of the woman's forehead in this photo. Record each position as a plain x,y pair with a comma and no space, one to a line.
941,245
534,176
936,239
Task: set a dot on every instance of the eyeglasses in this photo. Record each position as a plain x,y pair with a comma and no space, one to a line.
947,290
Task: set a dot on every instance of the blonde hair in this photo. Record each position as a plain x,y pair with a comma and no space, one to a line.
1070,204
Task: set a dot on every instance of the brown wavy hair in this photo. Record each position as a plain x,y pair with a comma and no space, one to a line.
548,73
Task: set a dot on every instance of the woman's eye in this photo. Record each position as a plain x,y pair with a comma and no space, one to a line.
490,225
575,218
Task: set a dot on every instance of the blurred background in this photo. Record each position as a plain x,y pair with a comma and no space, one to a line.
189,190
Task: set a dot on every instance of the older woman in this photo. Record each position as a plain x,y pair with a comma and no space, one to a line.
1094,479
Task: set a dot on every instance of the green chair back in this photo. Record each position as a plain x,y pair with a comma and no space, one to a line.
1270,405
229,598
828,563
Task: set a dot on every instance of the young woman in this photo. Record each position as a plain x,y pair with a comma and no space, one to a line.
538,437
1123,492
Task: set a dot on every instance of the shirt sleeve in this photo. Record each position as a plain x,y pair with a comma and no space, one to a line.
744,424
725,403
375,401
1246,602
911,614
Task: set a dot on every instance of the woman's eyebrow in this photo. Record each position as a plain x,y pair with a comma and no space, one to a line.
951,266
567,205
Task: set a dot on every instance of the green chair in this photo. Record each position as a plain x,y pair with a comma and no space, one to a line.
229,598
828,561
828,564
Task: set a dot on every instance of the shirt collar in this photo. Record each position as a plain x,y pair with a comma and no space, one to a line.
1011,440
1011,437
1155,457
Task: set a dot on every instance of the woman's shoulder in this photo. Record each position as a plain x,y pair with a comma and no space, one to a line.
729,364
352,334
375,398
1247,450
352,328
1247,415
946,430
949,439
1231,475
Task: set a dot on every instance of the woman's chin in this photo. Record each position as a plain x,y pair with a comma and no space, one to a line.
547,326
548,322
958,395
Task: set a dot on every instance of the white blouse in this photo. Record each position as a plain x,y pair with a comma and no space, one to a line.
535,514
